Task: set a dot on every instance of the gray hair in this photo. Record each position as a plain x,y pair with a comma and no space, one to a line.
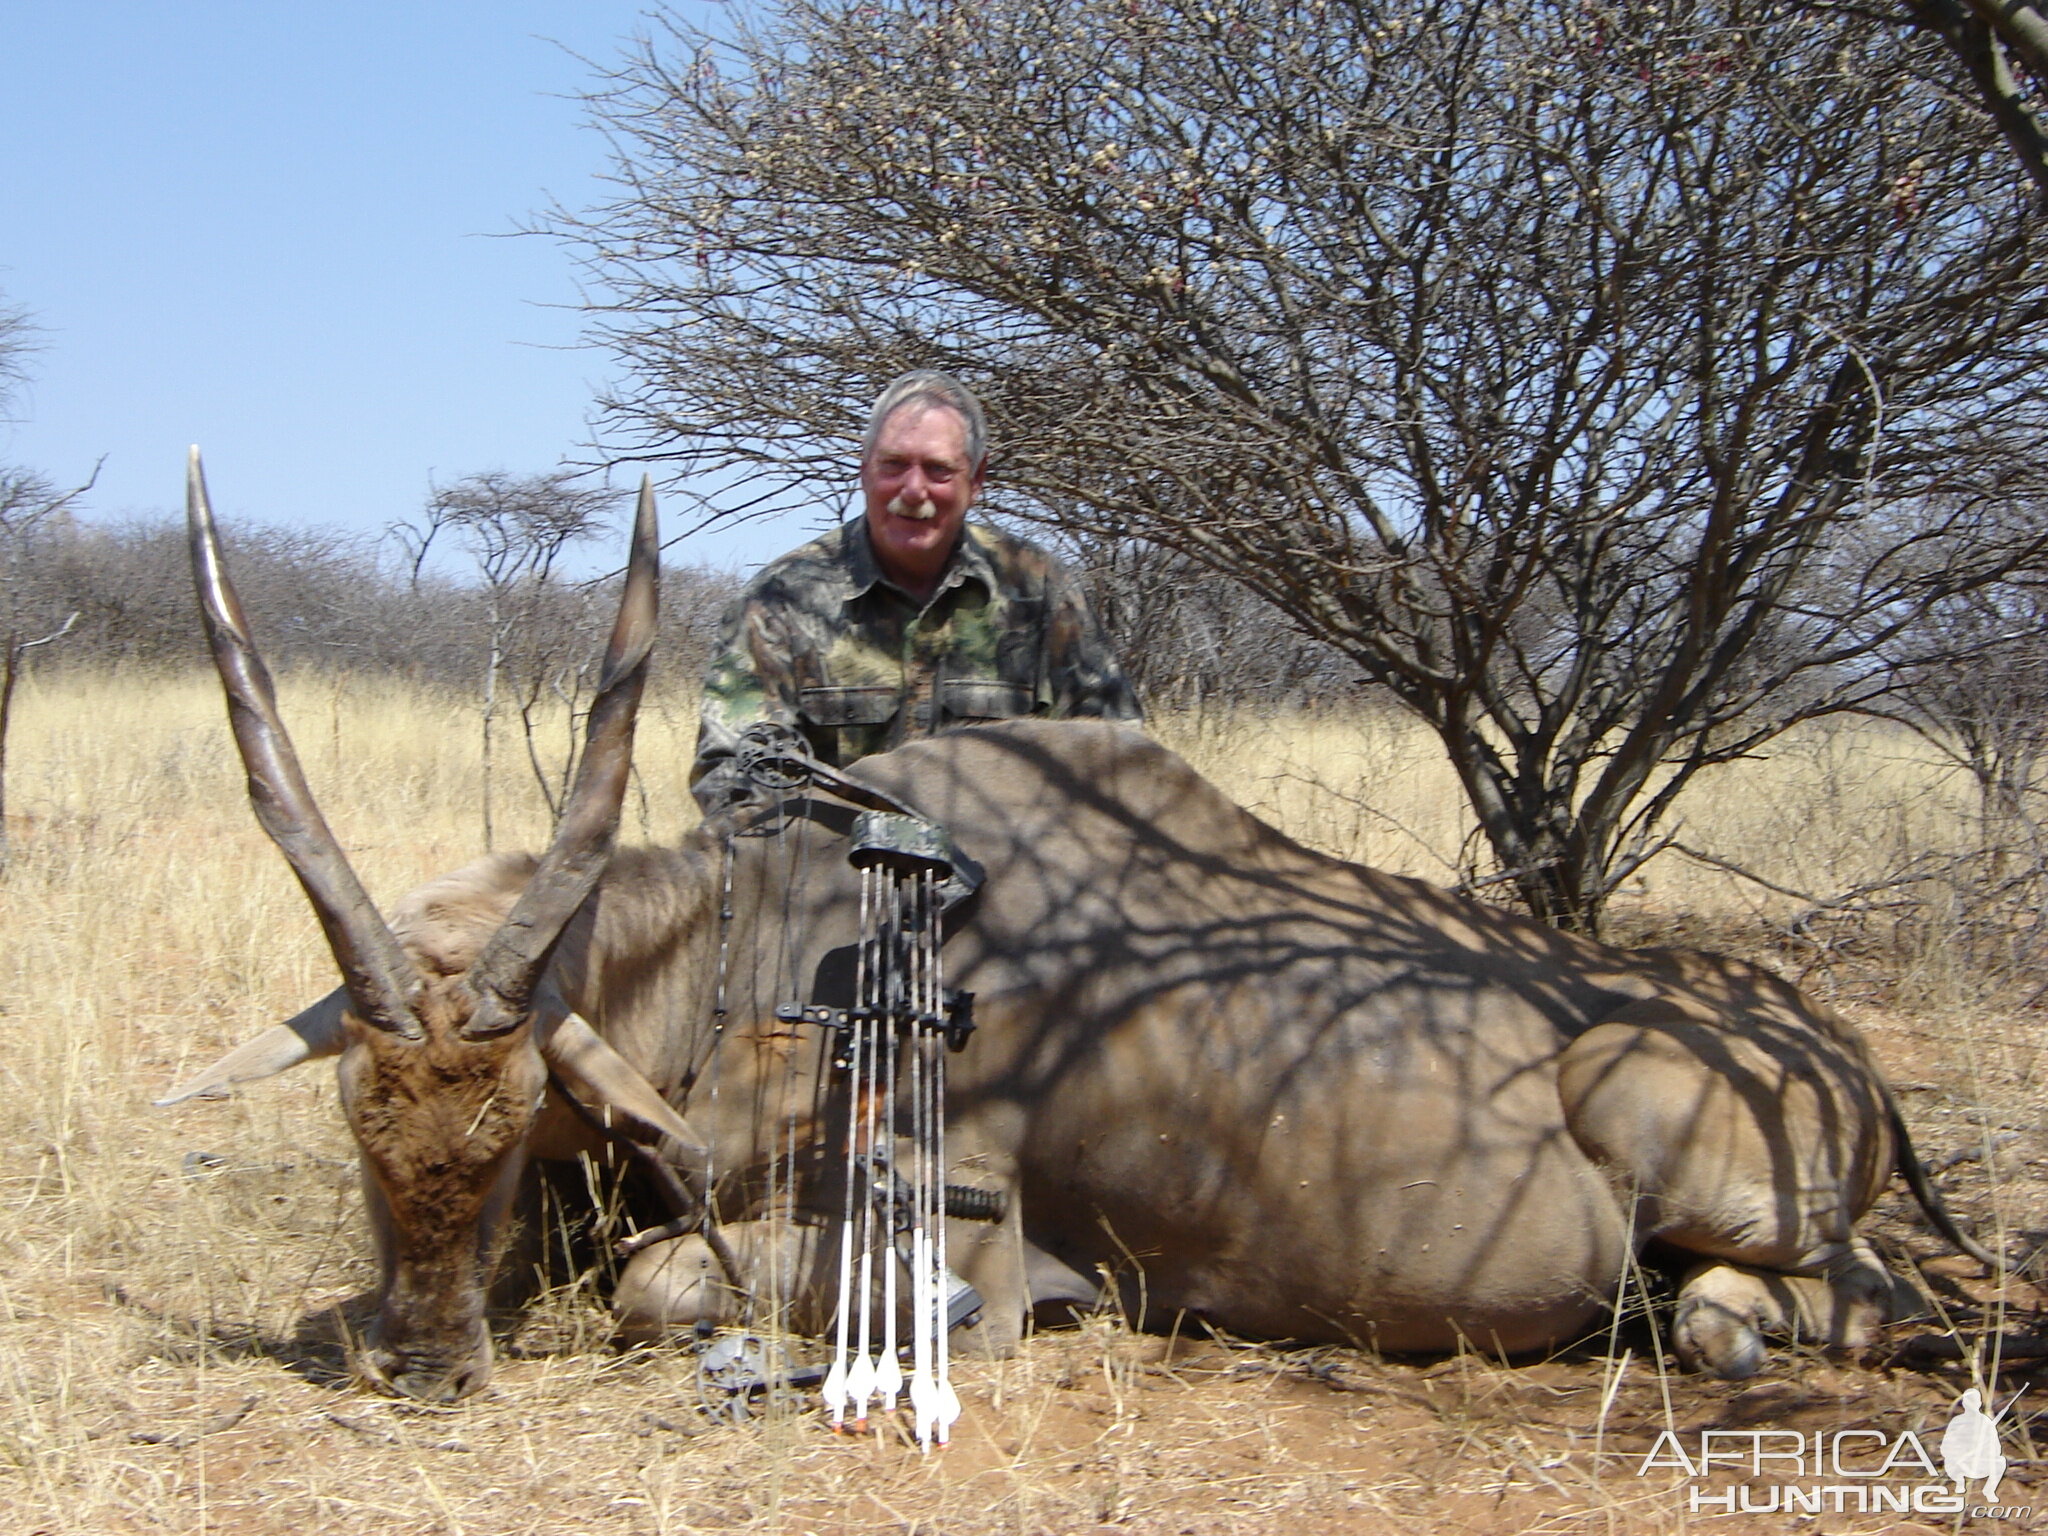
928,387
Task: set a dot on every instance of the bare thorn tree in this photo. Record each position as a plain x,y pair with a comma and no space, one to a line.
513,530
2002,46
1535,357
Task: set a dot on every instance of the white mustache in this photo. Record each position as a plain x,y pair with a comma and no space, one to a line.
917,512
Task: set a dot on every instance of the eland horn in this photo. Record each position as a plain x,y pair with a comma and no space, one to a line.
379,976
505,974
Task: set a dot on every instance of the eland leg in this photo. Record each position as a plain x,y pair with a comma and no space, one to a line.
993,1257
673,1286
1755,1147
1725,1310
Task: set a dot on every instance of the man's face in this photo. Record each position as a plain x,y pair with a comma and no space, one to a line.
918,484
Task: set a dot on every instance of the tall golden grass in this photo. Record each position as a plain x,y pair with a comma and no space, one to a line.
1826,809
169,1352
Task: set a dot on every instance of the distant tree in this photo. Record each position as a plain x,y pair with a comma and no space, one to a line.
1537,358
1190,638
29,503
321,598
1980,698
31,508
513,531
1970,678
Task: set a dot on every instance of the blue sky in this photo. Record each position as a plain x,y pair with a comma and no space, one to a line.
278,231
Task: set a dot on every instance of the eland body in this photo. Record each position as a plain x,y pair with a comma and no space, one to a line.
1295,1097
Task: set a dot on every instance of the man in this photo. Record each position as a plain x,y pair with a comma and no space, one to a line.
909,620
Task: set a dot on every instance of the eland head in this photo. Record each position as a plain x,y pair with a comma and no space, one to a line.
442,1075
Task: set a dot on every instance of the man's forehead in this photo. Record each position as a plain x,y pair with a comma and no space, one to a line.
922,426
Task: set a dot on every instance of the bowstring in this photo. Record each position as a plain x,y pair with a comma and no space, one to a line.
782,1129
720,1014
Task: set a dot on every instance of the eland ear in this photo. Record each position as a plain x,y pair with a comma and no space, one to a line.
306,1036
580,1054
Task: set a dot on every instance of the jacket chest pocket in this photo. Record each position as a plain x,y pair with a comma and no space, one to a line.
967,699
838,707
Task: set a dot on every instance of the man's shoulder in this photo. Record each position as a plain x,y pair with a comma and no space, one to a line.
1014,561
821,565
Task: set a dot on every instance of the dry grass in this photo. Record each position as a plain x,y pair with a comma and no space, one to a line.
1825,810
176,1284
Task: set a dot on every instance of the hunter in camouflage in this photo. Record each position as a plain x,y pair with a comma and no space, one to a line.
909,620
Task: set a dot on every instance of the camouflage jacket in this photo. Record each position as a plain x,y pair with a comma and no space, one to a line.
822,642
